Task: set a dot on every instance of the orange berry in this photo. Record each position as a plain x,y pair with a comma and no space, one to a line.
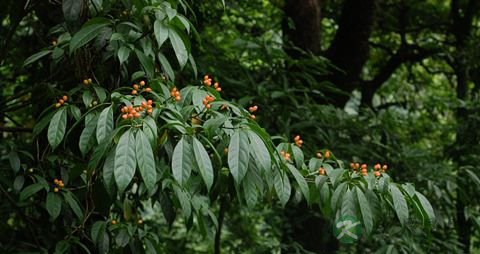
130,115
253,117
210,98
208,106
58,105
357,165
149,110
61,101
377,173
319,155
142,83
65,98
219,89
149,102
85,82
137,115
178,98
204,102
144,104
124,116
148,90
177,93
327,154
215,85
321,171
364,166
385,167
134,92
135,86
352,165
55,189
61,184
114,222
364,173
55,181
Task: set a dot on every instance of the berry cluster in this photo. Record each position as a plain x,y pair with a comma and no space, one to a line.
253,109
298,141
61,101
131,112
208,99
208,82
175,93
59,184
321,171
285,155
87,81
327,154
377,168
136,88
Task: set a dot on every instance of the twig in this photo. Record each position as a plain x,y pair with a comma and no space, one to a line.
15,129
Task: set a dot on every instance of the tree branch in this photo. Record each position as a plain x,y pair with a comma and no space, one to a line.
15,129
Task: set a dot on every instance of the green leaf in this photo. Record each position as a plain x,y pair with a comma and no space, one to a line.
108,169
473,177
146,62
87,98
35,57
297,155
57,127
40,125
14,160
302,183
184,201
145,160
250,190
101,94
365,211
400,204
334,175
282,187
182,163
167,68
204,163
150,129
77,114
161,32
125,160
87,137
337,195
97,231
72,9
88,32
18,183
53,204
73,203
348,204
260,151
178,46
30,190
426,207
104,124
238,155
123,54
122,238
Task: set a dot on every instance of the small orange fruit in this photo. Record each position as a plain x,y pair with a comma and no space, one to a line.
142,83
55,189
134,92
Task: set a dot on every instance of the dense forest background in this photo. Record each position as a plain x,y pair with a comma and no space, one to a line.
395,82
